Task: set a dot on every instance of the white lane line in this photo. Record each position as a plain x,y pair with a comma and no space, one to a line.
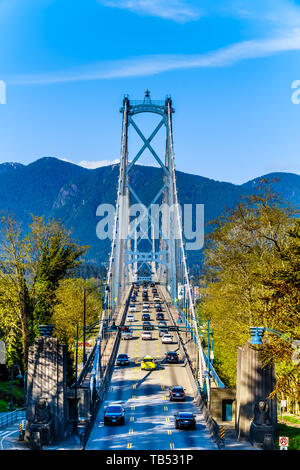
5,437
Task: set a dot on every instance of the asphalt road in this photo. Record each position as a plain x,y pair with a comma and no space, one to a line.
149,415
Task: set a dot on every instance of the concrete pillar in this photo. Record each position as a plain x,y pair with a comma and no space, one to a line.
46,378
253,383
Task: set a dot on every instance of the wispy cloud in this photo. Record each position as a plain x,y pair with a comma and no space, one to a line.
155,64
176,10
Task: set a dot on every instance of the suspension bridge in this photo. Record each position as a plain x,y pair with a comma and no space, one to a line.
147,273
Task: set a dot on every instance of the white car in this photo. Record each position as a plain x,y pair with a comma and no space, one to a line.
132,308
167,339
127,335
147,335
146,305
130,318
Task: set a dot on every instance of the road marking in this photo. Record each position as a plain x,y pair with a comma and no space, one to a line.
169,432
131,418
133,407
165,408
129,445
162,387
130,431
134,386
133,397
164,397
167,419
172,445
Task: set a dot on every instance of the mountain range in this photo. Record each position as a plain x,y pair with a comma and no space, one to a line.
54,188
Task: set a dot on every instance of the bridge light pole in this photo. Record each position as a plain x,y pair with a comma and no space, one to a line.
257,333
19,376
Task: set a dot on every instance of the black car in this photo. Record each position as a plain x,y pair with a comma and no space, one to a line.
185,421
146,317
172,357
122,360
160,316
177,393
147,326
114,414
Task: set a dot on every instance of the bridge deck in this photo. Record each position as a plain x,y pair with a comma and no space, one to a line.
149,422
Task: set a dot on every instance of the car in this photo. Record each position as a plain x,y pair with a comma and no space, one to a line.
130,318
146,304
176,393
167,338
132,308
114,414
185,420
148,363
146,335
122,360
162,324
146,317
127,334
147,325
172,357
160,316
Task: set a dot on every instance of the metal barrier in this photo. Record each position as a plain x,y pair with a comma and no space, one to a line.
12,417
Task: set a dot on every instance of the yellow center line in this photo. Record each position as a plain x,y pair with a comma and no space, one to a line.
172,445
169,432
129,445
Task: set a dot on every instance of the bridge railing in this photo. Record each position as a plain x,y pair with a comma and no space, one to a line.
12,417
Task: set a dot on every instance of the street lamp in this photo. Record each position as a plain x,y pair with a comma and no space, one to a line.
19,376
257,333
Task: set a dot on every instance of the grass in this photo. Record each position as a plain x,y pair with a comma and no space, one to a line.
291,419
5,394
292,433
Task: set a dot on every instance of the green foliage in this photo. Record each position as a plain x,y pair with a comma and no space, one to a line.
252,279
31,268
292,433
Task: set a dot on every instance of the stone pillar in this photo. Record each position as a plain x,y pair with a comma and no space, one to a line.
253,384
46,378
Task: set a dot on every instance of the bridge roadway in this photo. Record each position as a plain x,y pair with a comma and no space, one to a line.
149,415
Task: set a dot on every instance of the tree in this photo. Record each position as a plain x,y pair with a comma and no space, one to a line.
247,245
72,296
31,267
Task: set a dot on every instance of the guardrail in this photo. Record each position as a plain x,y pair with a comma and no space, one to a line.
11,417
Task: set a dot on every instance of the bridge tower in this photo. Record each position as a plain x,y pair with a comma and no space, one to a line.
146,248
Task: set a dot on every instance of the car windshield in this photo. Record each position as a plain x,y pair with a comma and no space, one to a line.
172,354
185,415
123,356
148,359
113,409
167,336
177,389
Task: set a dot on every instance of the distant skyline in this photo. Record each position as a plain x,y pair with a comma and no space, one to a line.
229,67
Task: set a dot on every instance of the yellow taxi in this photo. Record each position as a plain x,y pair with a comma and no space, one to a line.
148,363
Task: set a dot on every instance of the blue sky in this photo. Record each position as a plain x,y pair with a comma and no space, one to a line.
228,65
